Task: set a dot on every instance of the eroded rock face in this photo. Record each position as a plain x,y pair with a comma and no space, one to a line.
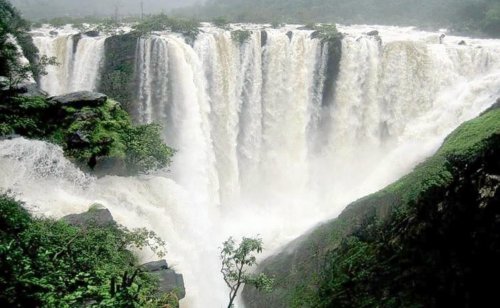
80,99
169,280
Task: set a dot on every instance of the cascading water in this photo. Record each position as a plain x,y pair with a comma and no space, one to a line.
79,60
261,150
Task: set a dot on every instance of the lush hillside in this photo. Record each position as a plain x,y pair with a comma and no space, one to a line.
462,15
432,239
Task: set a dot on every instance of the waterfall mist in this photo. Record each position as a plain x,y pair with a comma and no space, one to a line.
260,150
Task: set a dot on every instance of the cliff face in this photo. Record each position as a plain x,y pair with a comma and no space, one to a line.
431,239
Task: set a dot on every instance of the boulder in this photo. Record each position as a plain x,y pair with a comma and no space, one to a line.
53,33
96,216
29,89
462,43
155,266
373,33
78,140
92,33
80,99
168,280
289,34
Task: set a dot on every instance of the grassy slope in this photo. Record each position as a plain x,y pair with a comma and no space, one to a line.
298,268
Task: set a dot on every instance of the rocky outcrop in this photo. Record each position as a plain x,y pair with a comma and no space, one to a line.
168,280
96,216
80,99
431,239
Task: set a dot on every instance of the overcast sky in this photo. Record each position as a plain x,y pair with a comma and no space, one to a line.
36,9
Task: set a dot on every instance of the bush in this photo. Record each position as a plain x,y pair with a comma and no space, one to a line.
48,263
240,36
161,22
88,133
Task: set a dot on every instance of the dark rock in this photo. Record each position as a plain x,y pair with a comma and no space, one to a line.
85,115
80,99
315,34
155,266
289,34
10,137
92,33
263,38
168,280
373,33
76,40
462,43
29,89
96,216
78,140
54,33
441,38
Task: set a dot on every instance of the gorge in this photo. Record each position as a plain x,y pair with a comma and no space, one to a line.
273,134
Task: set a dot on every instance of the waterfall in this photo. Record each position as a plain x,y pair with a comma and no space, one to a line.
79,61
260,149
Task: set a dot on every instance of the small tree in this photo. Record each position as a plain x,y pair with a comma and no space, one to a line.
235,262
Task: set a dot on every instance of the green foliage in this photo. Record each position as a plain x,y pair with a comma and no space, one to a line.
101,131
221,22
143,151
47,263
162,22
463,144
460,15
12,25
328,33
240,36
235,263
428,240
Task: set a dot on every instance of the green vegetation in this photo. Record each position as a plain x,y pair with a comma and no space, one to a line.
240,36
471,16
87,133
161,22
430,239
235,263
48,263
221,22
12,25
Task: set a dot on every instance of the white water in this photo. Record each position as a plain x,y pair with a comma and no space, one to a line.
78,66
259,150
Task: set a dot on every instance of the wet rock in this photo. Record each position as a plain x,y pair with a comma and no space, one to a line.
289,34
168,280
155,266
78,140
80,99
92,33
96,216
76,39
54,33
373,33
263,38
29,89
462,43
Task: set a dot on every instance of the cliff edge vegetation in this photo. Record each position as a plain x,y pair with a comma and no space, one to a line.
431,239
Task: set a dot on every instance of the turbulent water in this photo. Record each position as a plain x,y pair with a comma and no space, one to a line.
262,149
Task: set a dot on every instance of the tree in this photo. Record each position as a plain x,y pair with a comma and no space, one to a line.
235,262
